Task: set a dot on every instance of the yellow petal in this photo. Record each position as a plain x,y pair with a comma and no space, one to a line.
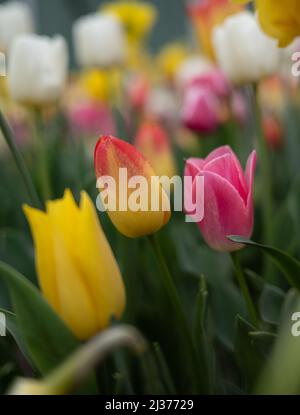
44,254
75,298
64,215
97,262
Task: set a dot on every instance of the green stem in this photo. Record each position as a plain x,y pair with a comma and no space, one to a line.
265,166
243,285
21,166
42,160
175,301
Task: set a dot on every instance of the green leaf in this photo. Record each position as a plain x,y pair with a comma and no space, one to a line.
289,266
13,329
249,357
270,303
206,357
47,338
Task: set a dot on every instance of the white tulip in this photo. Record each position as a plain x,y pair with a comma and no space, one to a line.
162,103
37,69
243,51
99,40
15,19
190,69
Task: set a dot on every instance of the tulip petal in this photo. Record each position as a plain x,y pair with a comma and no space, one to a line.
224,213
64,213
44,254
97,262
250,172
193,166
228,167
76,306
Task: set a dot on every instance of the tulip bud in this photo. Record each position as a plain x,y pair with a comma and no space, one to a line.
99,40
243,51
200,110
37,69
77,271
132,213
228,197
273,131
153,142
15,20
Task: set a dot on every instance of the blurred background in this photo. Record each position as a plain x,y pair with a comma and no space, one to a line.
57,16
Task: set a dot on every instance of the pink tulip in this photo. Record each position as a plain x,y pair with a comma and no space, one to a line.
90,118
201,109
216,81
228,197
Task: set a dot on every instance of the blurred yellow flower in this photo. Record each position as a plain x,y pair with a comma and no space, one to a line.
170,58
279,19
77,270
137,17
95,82
100,84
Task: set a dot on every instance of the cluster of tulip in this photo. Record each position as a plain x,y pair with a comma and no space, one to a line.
201,309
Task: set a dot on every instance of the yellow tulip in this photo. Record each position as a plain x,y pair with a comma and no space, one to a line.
137,17
96,84
170,58
77,271
279,19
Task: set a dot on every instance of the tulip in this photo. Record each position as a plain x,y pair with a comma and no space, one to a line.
243,51
170,58
200,110
113,154
138,87
154,143
205,15
273,131
99,40
137,18
191,68
15,20
161,104
216,81
77,271
37,69
279,19
228,197
88,118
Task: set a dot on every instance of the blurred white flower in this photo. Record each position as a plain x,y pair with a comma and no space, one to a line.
99,40
37,69
243,51
15,19
190,69
162,104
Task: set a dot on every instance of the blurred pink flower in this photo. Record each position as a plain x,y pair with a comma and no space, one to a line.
138,90
228,197
216,81
201,109
91,118
273,131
